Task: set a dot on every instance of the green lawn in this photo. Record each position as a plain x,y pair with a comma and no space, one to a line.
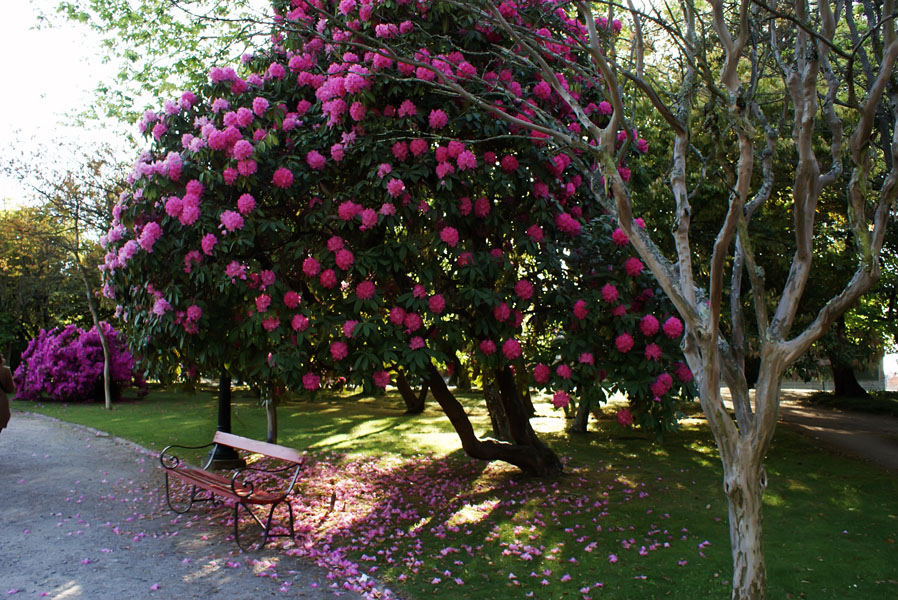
430,521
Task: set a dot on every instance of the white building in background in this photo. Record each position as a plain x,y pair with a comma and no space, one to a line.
890,372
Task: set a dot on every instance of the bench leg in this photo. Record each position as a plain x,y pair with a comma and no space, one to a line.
266,525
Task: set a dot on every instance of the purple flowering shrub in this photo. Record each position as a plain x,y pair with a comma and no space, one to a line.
67,365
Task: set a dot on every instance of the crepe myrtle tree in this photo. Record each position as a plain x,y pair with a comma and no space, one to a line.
732,81
324,215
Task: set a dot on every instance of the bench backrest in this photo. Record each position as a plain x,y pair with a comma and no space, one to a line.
257,447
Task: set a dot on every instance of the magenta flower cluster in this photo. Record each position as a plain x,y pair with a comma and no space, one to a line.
67,365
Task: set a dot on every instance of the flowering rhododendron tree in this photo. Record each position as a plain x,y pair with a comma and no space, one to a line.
323,215
66,365
734,80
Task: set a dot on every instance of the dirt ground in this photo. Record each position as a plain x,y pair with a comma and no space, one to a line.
83,515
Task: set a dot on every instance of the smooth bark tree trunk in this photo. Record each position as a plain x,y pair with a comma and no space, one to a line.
744,487
414,403
532,459
104,343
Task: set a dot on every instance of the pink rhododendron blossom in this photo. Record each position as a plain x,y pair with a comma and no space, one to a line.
335,243
449,235
365,290
339,350
609,293
173,207
416,343
586,358
412,322
535,233
260,105
271,323
560,399
246,168
419,291
150,234
623,343
395,187
397,316
418,146
437,119
648,325
194,312
488,347
482,207
311,267
672,328
231,221
208,243
511,348
299,322
328,279
349,328
436,303
381,379
407,109
235,270
344,259
619,237
541,374
563,371
683,372
245,204
242,150
523,289
625,418
160,307
267,277
502,312
567,224
619,310
605,108
263,301
653,352
369,218
509,163
661,385
311,381
315,160
466,160
580,310
282,178
633,266
291,299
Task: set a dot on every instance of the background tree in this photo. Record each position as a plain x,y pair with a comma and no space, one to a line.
79,200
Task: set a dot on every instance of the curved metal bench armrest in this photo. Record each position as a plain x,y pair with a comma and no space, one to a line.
248,485
174,461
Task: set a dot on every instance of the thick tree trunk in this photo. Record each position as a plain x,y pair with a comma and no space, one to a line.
845,382
744,486
522,380
581,420
498,418
534,460
414,403
519,421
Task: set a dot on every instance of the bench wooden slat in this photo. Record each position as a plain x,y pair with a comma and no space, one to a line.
257,447
222,486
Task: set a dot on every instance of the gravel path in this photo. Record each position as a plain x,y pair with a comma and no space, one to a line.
83,515
873,438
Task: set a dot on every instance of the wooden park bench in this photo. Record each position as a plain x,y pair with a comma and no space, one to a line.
242,492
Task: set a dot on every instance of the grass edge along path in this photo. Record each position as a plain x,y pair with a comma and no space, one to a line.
388,497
